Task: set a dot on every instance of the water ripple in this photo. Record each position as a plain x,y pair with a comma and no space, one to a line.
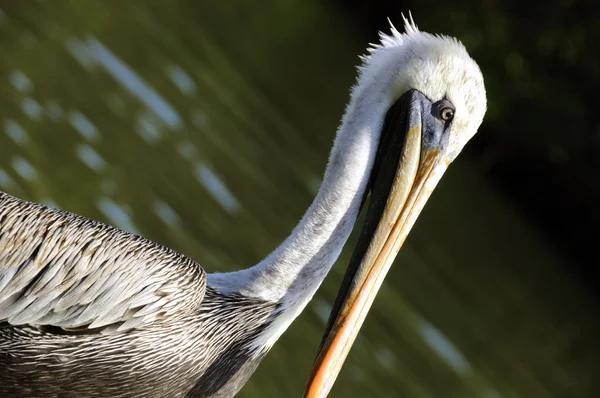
132,82
90,157
84,126
31,108
181,79
54,111
15,132
166,212
24,168
116,214
444,348
6,181
20,81
216,187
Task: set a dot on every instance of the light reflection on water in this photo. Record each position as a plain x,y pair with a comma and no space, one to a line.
20,81
208,151
24,168
6,181
117,215
31,108
444,348
321,308
82,53
91,158
166,213
148,128
182,80
136,86
216,188
84,126
54,111
15,132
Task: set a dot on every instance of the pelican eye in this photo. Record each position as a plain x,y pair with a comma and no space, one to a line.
447,113
444,110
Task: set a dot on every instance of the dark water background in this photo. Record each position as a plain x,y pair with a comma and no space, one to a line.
206,126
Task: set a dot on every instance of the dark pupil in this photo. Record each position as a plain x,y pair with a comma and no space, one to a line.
446,113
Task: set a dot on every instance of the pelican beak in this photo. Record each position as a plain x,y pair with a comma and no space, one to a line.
410,162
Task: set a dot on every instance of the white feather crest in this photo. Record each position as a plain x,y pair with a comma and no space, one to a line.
394,39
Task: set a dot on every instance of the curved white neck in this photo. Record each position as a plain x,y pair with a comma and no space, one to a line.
291,274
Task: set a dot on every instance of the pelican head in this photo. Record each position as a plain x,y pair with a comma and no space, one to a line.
435,101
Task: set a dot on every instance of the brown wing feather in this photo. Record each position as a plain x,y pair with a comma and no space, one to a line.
60,269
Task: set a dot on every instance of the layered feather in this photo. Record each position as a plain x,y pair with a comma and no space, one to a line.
59,269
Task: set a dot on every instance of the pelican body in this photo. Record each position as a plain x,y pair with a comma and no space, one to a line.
87,310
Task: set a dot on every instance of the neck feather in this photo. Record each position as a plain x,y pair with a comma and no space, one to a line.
291,274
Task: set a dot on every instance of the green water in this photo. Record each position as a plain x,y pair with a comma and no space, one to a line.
207,128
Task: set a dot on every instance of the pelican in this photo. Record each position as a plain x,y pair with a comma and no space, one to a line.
88,310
